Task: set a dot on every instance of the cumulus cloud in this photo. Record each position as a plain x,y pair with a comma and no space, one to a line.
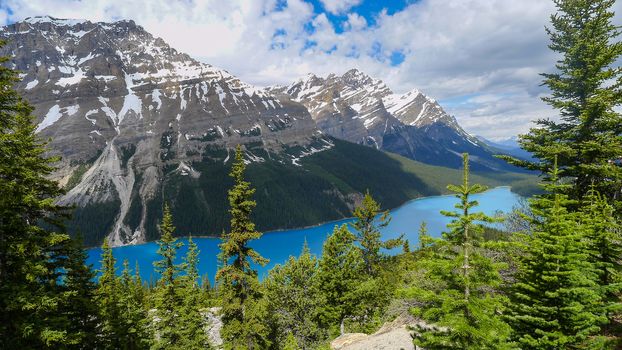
480,58
339,6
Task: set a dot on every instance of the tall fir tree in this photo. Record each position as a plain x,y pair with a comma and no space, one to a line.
238,283
424,238
586,89
604,244
81,306
340,273
465,310
167,295
555,299
111,327
192,322
29,294
368,220
133,313
292,294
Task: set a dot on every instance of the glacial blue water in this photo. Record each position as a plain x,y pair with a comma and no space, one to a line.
279,245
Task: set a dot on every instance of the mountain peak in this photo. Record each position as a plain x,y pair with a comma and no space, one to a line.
54,20
70,22
355,73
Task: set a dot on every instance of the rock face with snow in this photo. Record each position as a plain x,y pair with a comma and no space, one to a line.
124,109
358,108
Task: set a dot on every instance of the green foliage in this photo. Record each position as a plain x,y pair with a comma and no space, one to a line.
368,221
76,176
464,311
133,314
242,311
31,256
585,90
340,272
292,295
555,297
107,297
604,244
124,322
191,321
80,307
168,299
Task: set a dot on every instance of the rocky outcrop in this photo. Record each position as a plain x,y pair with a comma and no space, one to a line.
394,335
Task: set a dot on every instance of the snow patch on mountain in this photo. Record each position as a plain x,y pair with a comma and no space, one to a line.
51,117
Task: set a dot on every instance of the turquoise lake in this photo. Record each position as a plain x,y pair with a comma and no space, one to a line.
279,245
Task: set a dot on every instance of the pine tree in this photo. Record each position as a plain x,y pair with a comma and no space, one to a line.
586,89
465,310
604,244
81,307
369,219
291,343
111,327
238,283
291,291
406,247
192,322
341,271
424,238
554,298
168,301
132,314
30,297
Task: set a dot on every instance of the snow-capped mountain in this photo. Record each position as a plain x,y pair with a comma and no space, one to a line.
122,108
358,108
138,124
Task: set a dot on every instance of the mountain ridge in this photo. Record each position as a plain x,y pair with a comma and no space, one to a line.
361,109
138,124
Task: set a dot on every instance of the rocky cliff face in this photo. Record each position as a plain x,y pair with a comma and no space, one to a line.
125,110
358,108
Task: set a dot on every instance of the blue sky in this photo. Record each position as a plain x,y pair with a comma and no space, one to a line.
480,58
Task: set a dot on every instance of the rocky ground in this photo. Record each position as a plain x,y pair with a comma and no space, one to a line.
392,336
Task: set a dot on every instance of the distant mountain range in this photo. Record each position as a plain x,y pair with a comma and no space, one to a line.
138,123
360,109
508,146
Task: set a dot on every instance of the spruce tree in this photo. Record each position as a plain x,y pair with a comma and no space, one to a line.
30,297
604,244
133,314
292,294
465,310
192,322
111,327
585,90
369,219
424,238
554,300
167,296
341,271
238,283
81,306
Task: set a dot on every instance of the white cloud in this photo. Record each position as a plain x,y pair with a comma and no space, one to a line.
339,6
454,50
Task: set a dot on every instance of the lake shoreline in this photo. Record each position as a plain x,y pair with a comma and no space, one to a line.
283,230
